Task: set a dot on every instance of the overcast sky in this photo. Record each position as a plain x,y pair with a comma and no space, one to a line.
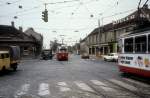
72,18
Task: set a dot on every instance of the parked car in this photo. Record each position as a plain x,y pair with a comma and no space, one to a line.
111,57
46,54
85,56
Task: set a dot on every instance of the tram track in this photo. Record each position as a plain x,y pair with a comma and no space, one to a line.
136,93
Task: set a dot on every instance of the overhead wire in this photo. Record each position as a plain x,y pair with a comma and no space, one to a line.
146,2
26,10
23,11
9,3
139,4
86,28
119,13
62,2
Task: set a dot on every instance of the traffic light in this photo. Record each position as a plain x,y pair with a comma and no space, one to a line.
45,15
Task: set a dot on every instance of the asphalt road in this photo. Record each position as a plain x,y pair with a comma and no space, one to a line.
76,78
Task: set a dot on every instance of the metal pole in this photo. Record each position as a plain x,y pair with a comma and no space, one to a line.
99,36
62,41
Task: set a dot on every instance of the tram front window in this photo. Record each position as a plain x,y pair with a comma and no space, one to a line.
140,44
128,45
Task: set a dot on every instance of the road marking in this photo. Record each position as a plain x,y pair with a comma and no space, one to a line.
64,89
96,82
24,89
84,86
44,89
62,83
127,86
63,86
136,82
103,85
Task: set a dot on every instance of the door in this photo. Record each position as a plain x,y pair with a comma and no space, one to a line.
7,60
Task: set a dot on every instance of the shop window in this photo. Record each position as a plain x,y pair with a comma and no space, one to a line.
149,43
140,44
128,45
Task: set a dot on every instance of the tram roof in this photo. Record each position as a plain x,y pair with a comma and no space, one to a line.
136,32
4,52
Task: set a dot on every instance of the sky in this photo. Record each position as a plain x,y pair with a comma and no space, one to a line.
70,20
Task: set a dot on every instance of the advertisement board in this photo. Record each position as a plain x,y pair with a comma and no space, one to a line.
140,61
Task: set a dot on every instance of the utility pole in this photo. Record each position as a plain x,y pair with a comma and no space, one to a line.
62,38
99,34
99,31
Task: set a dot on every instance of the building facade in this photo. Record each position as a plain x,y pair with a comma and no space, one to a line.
10,36
104,40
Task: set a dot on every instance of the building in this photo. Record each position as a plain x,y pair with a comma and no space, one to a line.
38,41
104,40
83,46
9,35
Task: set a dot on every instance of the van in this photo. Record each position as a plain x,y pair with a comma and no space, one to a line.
4,60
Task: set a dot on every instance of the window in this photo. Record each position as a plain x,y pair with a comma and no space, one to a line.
110,54
0,56
148,43
128,45
140,44
6,55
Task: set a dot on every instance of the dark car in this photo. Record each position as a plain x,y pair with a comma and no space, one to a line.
46,54
85,56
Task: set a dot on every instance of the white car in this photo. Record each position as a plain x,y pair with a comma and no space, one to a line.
111,57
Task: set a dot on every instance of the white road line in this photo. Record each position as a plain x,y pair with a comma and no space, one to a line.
62,83
84,86
63,86
103,85
64,89
44,89
96,82
24,89
136,82
127,86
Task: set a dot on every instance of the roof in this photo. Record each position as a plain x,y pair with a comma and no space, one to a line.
32,33
6,30
4,52
137,32
127,21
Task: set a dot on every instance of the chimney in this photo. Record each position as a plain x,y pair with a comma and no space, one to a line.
20,29
13,24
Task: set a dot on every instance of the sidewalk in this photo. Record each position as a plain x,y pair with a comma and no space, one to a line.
94,57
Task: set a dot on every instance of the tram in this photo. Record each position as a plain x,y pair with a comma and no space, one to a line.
62,53
134,56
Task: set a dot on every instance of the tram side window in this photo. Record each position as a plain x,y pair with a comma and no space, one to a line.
128,45
7,55
149,43
140,44
2,56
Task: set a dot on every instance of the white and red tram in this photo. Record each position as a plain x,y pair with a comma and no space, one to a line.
62,53
134,56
